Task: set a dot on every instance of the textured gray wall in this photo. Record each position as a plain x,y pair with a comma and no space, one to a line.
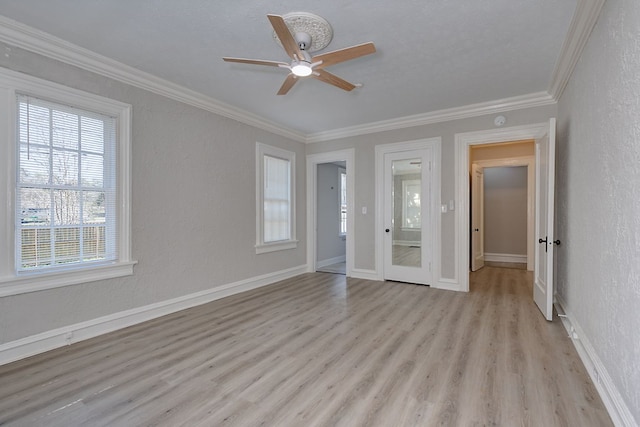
598,195
193,207
365,174
505,210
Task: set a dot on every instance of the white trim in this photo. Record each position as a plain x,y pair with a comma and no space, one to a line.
447,285
435,144
330,261
361,273
462,143
264,248
341,171
529,163
512,258
39,343
582,23
34,282
614,402
25,37
490,107
313,160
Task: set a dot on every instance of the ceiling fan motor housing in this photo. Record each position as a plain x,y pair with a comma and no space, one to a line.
303,40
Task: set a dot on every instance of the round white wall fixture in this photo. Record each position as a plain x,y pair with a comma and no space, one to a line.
500,121
315,26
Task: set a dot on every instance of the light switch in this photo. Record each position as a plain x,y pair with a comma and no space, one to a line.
452,205
364,210
443,208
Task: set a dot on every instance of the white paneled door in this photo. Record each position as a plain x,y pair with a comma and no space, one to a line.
545,173
477,217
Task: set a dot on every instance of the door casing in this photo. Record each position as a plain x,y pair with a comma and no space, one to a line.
313,160
434,203
463,141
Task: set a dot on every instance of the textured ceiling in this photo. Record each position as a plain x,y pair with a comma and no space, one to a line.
432,54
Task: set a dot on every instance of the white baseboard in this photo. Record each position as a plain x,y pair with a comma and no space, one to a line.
331,261
493,257
358,273
447,284
35,344
611,397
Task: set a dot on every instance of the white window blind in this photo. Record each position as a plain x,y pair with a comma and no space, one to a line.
277,199
65,186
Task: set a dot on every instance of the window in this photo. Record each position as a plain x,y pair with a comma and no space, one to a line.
343,202
411,204
275,219
65,195
68,157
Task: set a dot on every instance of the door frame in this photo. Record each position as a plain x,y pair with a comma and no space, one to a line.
529,163
434,204
313,160
462,143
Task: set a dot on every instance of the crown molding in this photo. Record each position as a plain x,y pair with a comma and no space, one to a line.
582,23
28,38
490,107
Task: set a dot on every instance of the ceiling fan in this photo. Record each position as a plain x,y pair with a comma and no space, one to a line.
298,46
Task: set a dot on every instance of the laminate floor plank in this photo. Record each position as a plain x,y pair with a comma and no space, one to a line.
320,350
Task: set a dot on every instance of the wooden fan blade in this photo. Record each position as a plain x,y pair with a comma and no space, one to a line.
345,54
334,80
287,40
257,62
288,84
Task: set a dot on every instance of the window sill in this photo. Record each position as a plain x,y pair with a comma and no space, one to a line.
277,246
33,282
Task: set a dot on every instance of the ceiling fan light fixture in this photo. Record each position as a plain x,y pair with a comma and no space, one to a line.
301,68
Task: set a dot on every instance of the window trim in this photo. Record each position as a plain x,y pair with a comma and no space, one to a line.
11,282
341,189
291,243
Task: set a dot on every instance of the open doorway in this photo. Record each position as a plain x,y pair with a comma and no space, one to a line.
330,211
505,216
331,218
502,204
544,165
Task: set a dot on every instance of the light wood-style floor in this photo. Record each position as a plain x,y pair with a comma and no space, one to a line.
320,349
